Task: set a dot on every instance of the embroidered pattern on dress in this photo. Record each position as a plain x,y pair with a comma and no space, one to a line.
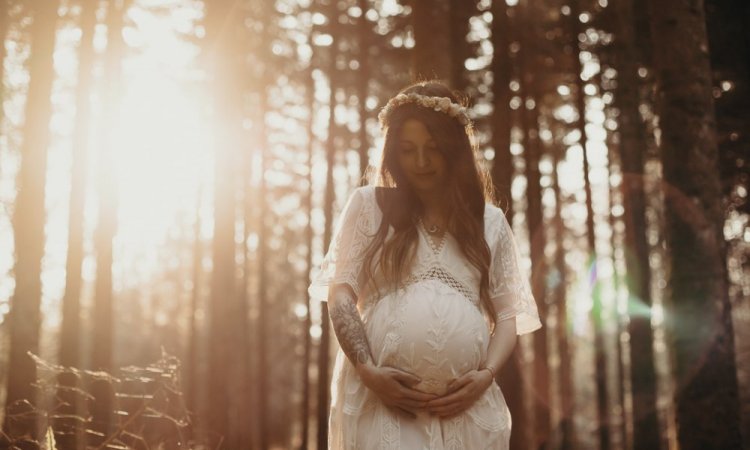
451,433
437,272
488,417
390,430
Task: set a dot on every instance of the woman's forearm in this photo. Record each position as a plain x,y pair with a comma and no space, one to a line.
348,325
502,343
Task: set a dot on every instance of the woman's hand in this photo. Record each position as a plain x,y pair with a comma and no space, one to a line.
394,388
462,393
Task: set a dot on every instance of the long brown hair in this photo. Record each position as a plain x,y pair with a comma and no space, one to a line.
468,189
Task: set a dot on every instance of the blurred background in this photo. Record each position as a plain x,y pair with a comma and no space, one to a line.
171,172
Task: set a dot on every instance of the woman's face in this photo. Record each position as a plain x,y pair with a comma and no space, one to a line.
419,158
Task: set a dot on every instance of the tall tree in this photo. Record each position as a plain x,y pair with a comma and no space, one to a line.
564,434
631,150
460,48
699,312
501,124
69,348
324,358
4,22
727,22
106,227
431,22
107,189
309,235
577,30
530,93
191,371
29,210
502,177
364,28
221,27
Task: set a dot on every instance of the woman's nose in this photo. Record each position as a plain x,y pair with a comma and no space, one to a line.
422,159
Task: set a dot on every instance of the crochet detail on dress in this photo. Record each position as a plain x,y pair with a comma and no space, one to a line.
438,273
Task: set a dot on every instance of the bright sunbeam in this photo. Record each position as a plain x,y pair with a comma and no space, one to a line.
162,153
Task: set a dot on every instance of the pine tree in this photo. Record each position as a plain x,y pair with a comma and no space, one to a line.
29,210
698,312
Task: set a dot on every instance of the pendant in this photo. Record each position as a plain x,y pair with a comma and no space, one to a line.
433,229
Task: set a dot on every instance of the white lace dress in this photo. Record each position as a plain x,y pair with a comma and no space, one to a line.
433,326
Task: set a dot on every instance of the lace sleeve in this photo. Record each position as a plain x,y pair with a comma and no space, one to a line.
343,262
509,286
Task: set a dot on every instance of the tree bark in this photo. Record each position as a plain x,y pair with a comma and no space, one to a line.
29,212
69,341
502,164
596,312
698,313
530,95
365,41
263,281
727,22
631,150
192,384
563,438
460,13
309,234
502,176
106,228
324,357
220,31
107,189
429,56
4,22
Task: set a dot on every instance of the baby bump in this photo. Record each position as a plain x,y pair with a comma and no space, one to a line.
432,331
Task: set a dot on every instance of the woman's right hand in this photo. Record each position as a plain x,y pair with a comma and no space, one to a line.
394,388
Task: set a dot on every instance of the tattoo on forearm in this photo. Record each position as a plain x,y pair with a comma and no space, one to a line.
349,329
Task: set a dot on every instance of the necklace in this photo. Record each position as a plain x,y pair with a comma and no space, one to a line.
432,229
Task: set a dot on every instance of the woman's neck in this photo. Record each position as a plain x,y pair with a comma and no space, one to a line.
434,204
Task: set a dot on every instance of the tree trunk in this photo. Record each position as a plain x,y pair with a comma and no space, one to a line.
596,312
69,345
241,311
429,56
191,373
564,432
263,281
631,151
460,13
502,177
529,92
309,234
219,32
324,357
106,228
502,164
107,189
29,212
698,317
365,41
4,22
727,22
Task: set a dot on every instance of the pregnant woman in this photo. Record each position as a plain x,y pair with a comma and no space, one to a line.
424,288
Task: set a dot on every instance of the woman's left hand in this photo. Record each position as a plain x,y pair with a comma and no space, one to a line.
462,393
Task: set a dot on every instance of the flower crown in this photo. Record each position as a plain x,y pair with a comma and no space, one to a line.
439,104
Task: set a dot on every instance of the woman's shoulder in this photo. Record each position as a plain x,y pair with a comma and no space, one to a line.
376,196
492,212
368,199
367,194
493,217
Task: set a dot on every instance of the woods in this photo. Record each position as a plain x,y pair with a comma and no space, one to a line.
171,173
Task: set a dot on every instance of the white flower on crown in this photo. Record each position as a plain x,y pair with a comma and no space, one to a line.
438,104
